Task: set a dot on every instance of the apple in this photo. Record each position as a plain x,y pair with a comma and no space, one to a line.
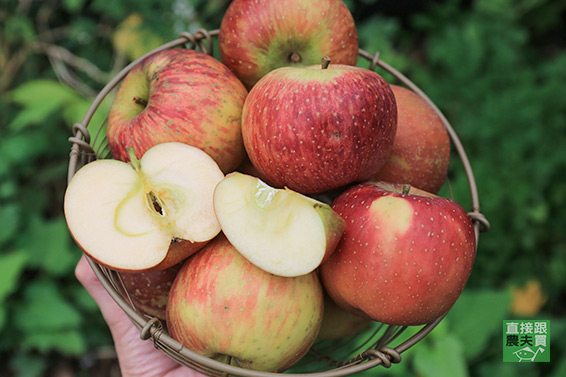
179,95
313,129
149,290
256,37
149,214
338,323
279,230
223,307
405,256
421,150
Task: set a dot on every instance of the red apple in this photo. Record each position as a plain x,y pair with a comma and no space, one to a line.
179,95
421,151
256,37
317,128
149,290
405,256
223,307
338,323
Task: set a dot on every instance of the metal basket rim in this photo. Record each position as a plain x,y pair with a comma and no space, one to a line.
150,328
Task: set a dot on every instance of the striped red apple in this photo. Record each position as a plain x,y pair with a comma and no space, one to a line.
421,150
405,256
257,37
179,95
224,307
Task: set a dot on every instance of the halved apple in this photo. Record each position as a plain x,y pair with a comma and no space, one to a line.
278,230
148,214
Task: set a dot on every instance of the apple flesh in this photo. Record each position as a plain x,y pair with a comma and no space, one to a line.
256,37
281,231
421,150
149,290
179,95
223,307
318,128
150,214
405,256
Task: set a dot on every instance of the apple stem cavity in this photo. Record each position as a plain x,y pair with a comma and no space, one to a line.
140,101
325,62
295,57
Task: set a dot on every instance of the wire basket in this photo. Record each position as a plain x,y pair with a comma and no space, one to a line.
379,345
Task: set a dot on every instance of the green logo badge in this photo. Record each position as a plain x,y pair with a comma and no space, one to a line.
526,341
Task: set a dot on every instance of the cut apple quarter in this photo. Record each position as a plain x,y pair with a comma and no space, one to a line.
278,230
148,214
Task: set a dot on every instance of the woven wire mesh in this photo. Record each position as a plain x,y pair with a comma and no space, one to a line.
379,345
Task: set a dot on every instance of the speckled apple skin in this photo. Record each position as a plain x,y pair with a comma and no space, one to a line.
314,130
404,259
222,305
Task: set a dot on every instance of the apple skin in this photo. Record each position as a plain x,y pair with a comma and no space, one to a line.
339,323
421,150
404,258
223,307
190,97
313,129
256,37
149,290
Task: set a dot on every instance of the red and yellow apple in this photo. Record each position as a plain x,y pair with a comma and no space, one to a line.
256,37
421,150
149,214
405,256
279,230
338,323
149,290
179,95
225,308
313,129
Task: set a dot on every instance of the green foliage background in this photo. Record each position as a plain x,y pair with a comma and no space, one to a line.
496,68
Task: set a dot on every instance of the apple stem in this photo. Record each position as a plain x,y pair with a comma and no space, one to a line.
295,57
133,159
325,62
406,189
140,101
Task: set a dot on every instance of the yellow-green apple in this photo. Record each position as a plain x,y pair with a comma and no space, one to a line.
279,230
405,256
179,95
338,323
255,37
149,290
224,307
148,214
421,150
317,128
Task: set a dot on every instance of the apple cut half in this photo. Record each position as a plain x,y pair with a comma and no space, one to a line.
279,230
148,214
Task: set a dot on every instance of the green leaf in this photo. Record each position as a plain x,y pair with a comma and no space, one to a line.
11,266
489,309
28,365
68,342
50,246
44,309
10,215
442,358
40,98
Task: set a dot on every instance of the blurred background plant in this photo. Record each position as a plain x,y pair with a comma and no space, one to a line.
496,68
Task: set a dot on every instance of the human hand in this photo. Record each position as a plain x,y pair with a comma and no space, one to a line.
135,356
